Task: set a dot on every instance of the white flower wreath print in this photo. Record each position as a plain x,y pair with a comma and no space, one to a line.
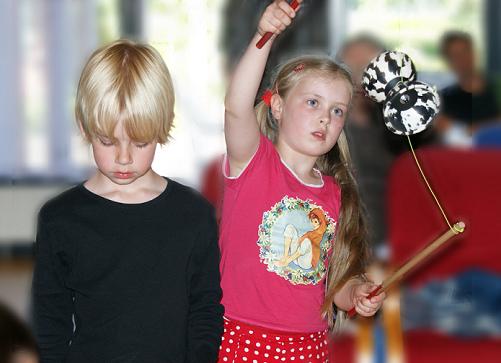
295,237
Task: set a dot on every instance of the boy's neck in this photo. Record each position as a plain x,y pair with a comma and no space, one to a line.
141,190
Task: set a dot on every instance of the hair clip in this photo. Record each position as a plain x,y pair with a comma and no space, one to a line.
299,67
266,97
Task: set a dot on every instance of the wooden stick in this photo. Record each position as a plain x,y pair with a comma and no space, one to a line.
414,261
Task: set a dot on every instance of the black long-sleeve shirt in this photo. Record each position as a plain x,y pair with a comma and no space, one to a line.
117,282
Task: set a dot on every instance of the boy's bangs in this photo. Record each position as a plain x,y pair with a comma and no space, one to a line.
138,117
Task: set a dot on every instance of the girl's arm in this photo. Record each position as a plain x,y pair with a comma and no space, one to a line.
240,127
353,294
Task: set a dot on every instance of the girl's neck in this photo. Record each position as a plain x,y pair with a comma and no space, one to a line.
300,164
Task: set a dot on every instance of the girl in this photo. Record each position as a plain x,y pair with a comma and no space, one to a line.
286,158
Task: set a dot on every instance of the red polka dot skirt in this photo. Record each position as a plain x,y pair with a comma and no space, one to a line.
249,343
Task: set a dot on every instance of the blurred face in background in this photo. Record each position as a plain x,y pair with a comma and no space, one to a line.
460,58
357,56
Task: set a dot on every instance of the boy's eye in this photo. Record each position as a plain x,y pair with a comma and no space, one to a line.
312,102
338,112
105,142
142,145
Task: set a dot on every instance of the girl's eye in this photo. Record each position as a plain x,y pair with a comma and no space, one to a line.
338,112
312,103
143,145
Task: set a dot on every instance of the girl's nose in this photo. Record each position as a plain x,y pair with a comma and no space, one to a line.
325,120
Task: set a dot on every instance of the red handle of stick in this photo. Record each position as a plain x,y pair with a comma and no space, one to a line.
264,39
373,293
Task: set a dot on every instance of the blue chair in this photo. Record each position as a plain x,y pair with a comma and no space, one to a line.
488,136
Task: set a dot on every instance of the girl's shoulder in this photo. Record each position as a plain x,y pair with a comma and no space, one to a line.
331,182
264,156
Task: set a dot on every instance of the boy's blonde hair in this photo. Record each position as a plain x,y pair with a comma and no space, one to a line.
350,253
128,82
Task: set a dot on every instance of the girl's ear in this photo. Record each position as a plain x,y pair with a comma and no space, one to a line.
276,106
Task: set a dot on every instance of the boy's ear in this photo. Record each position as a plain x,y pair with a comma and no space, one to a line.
276,106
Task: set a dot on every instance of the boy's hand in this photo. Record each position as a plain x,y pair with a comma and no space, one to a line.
364,306
277,16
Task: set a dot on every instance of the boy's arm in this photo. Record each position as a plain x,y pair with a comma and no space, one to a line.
205,319
52,302
240,126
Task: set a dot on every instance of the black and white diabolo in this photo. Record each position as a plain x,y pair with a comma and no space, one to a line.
409,105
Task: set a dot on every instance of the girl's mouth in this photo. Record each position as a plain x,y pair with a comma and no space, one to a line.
319,135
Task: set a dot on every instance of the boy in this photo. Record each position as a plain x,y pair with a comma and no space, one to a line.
126,262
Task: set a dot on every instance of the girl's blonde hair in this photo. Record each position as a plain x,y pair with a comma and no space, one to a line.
350,253
128,82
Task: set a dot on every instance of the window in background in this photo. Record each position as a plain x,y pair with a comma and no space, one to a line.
53,39
415,27
34,87
187,35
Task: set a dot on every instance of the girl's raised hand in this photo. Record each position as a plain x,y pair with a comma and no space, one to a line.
277,16
363,306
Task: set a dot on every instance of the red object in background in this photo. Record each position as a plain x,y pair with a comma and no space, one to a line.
342,349
212,184
468,185
264,39
423,346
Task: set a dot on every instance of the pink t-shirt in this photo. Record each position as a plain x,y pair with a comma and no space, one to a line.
275,239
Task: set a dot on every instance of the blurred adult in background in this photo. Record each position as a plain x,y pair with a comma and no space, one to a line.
373,147
470,102
356,53
365,129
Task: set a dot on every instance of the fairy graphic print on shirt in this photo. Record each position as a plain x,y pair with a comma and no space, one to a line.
295,237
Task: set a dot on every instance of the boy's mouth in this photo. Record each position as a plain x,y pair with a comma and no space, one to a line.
121,175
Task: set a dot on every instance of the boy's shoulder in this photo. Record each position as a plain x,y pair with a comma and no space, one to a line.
183,199
189,199
60,204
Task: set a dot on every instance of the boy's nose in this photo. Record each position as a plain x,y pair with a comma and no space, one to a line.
123,156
